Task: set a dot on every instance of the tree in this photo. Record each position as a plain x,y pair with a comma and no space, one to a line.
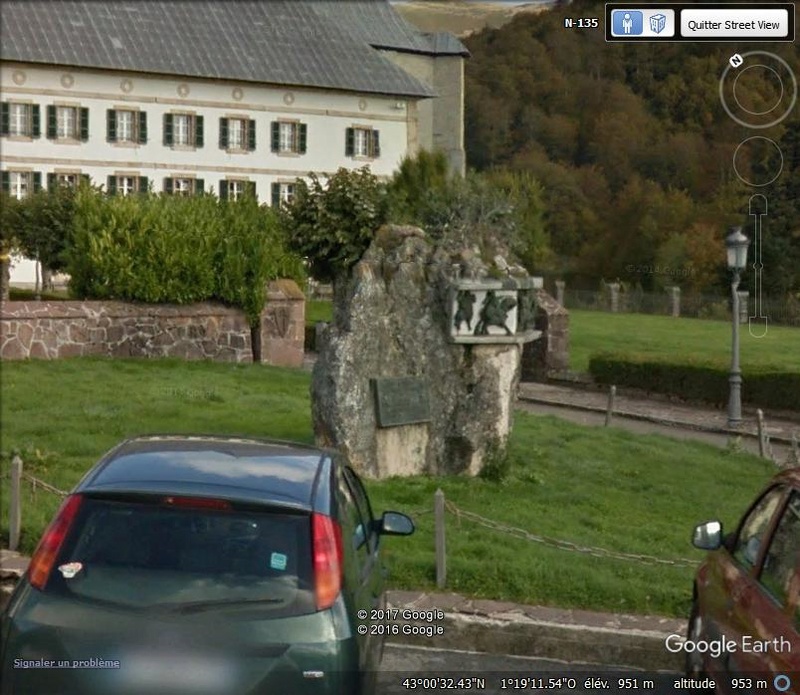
332,225
9,229
45,227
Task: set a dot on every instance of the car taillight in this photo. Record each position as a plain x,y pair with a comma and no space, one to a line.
44,557
327,548
196,503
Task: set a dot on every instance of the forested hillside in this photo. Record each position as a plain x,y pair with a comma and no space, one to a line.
635,150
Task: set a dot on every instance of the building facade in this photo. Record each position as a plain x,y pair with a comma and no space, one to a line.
186,96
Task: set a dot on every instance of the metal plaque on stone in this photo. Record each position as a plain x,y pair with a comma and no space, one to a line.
401,401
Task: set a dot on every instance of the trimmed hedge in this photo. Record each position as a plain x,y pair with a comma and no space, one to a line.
174,249
765,387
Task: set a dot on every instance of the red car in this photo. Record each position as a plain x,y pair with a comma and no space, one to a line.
745,620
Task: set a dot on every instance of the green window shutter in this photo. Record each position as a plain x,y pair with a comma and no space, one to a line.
36,121
111,185
198,131
142,127
168,138
376,144
5,119
37,181
276,195
198,186
302,138
223,189
167,185
350,142
84,124
5,181
251,135
111,125
51,122
52,182
251,189
276,136
223,133
144,185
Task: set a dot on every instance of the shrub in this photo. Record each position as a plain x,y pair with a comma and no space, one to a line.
764,387
332,225
174,249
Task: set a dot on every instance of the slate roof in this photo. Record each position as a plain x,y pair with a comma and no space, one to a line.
287,42
377,23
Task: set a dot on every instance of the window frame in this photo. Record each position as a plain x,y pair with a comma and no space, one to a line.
298,137
362,502
790,506
28,130
776,492
32,182
370,137
197,184
79,133
194,129
282,192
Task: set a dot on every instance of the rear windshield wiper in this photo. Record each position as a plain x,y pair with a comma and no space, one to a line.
197,606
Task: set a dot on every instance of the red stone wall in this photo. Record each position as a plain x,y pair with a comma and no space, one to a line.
52,330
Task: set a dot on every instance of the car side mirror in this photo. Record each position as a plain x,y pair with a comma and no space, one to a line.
396,524
708,536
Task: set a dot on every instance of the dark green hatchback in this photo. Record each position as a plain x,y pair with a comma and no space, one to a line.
203,566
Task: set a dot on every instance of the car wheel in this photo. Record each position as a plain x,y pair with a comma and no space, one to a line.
694,660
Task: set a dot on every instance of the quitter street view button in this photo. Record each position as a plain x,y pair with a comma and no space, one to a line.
746,23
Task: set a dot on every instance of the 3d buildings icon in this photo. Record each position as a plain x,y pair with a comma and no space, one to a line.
657,23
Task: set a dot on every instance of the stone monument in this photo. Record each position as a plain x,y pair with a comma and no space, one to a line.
418,371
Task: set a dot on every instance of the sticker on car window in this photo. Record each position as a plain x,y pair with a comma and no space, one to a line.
277,561
70,569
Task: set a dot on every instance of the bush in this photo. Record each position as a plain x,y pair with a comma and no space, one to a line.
764,387
174,249
39,225
332,225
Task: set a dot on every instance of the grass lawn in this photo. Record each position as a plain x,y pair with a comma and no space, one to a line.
592,486
595,331
318,310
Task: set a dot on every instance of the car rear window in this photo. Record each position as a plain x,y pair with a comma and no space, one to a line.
146,555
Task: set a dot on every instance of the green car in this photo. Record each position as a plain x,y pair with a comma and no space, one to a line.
203,565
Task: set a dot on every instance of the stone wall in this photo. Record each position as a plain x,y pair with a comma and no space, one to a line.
550,354
56,329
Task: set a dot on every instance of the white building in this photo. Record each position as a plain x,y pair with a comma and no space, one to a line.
182,96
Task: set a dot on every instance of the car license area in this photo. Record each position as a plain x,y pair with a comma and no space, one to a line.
194,673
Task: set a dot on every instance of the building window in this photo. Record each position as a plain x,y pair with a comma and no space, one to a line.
21,184
282,193
234,189
125,184
289,137
183,130
19,120
183,185
67,123
362,142
237,134
125,125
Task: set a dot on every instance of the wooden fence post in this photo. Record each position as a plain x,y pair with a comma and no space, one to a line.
612,393
441,555
15,508
762,435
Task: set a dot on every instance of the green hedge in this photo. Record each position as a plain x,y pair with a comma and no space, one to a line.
173,249
764,386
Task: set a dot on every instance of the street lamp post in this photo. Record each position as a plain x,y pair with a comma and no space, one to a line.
737,244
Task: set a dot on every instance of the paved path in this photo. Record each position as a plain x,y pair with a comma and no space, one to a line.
645,415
